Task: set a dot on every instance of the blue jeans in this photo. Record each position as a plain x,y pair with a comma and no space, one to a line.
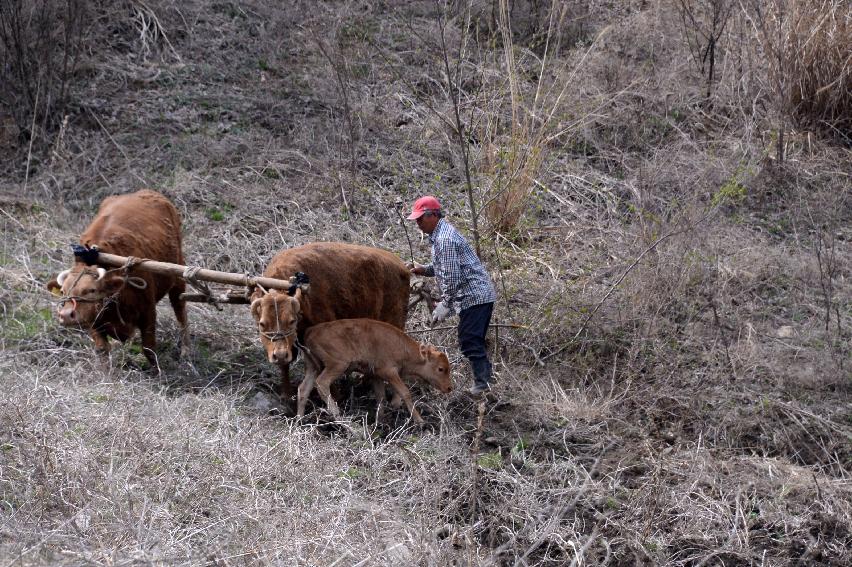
473,325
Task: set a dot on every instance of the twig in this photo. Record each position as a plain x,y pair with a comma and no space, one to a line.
618,282
724,338
492,325
474,453
405,228
455,96
32,137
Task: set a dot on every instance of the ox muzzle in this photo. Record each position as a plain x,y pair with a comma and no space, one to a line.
281,345
67,309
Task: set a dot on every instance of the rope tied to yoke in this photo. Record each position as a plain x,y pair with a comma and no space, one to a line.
190,274
89,256
133,281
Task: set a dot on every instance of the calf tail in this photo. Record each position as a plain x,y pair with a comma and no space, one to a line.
308,354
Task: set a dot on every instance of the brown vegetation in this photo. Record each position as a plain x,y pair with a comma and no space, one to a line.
676,390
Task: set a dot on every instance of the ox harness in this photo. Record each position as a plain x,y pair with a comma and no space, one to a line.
89,255
300,280
278,334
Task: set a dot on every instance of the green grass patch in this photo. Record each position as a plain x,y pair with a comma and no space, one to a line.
26,323
353,473
493,460
219,213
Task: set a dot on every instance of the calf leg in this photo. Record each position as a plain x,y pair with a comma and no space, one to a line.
392,377
331,373
179,306
306,387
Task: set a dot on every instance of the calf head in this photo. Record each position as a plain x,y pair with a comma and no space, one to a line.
277,315
435,368
84,291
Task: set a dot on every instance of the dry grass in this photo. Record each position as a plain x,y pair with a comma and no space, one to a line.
806,51
674,395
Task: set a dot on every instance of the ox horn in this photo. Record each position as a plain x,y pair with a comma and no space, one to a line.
255,305
61,277
101,273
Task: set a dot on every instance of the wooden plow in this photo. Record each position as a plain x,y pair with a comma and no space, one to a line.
198,278
421,290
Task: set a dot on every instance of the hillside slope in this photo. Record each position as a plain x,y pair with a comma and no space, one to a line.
675,295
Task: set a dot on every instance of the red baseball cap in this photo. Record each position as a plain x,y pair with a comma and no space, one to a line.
424,205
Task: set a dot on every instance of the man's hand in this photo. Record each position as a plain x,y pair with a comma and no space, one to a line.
440,313
416,269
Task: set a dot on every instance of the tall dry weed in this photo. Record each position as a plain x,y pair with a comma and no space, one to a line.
515,153
806,49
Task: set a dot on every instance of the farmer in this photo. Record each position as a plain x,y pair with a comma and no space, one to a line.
466,288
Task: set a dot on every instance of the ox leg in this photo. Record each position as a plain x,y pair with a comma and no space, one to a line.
392,377
179,306
285,388
102,348
323,383
379,392
148,329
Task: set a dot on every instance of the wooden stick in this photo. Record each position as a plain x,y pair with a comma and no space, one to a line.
491,325
226,298
202,274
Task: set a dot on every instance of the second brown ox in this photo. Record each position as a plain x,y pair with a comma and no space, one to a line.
369,346
346,281
108,304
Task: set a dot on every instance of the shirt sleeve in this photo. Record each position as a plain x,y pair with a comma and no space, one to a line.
449,270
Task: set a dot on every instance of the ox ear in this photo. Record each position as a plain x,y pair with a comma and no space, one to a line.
54,287
424,352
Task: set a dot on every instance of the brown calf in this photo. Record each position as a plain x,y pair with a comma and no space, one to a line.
107,304
370,346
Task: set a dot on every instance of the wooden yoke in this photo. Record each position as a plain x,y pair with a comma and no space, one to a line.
196,275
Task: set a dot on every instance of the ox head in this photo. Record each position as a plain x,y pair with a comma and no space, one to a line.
435,368
277,315
83,292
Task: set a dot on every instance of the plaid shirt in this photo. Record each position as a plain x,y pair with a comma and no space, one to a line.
461,276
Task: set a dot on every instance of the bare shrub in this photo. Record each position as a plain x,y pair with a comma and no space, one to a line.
522,122
704,22
40,47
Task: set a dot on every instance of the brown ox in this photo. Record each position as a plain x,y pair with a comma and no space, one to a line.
346,281
369,346
144,224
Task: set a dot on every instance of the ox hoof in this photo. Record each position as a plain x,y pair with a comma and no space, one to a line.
263,402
